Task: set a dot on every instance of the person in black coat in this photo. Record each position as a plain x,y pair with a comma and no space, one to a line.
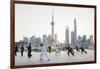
29,50
22,50
16,50
83,50
77,49
70,50
49,49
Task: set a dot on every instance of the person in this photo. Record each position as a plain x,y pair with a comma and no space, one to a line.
70,51
22,50
77,49
49,49
65,48
57,50
16,50
83,50
43,52
29,51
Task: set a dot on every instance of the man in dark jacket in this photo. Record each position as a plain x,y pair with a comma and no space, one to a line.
83,50
22,50
29,50
16,50
49,49
70,51
77,49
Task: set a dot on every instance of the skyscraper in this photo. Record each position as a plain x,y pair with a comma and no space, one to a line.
25,39
79,41
74,34
72,38
32,41
45,41
35,42
75,31
84,41
49,40
56,41
67,35
91,42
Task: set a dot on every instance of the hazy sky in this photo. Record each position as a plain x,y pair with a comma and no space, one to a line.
36,20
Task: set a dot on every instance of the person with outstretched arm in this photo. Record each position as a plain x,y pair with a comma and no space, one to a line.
70,51
43,52
83,50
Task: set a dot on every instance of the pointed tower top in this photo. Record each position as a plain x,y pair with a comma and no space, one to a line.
52,15
52,23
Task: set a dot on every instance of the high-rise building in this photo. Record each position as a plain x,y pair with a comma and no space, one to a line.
32,41
84,41
72,38
49,40
45,41
91,42
75,30
67,35
23,42
37,43
25,39
91,38
79,41
79,38
56,41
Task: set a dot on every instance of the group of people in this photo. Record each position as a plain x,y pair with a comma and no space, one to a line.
69,50
78,49
29,49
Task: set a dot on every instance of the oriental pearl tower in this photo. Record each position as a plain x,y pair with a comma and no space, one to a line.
52,30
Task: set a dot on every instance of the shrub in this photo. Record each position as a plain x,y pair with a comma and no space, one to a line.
36,50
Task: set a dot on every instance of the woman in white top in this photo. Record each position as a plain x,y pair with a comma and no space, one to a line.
43,52
57,50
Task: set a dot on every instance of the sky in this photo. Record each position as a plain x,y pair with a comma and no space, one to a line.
36,20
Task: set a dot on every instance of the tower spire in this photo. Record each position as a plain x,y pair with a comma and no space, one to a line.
52,15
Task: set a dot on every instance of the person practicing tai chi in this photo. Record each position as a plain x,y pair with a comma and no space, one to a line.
70,51
77,49
83,50
57,50
22,50
16,50
49,49
43,52
29,50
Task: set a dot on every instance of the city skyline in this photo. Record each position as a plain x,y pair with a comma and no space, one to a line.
42,24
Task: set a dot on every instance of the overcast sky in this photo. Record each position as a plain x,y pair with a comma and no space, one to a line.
36,20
